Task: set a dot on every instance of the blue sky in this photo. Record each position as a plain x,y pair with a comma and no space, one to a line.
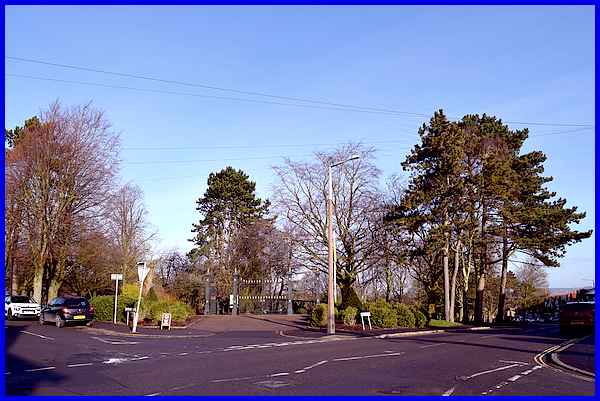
522,64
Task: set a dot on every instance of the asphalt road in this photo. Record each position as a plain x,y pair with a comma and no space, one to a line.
44,360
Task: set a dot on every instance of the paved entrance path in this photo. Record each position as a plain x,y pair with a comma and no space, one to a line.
269,323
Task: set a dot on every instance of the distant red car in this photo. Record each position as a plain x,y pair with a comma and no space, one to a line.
577,316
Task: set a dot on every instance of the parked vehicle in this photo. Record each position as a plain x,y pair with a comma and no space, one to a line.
577,316
18,306
63,310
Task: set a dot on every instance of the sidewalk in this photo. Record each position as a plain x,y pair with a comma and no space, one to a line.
581,355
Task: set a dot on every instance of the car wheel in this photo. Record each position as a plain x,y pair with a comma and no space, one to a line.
59,322
41,319
10,315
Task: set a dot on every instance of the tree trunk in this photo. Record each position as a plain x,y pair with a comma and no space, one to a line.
38,285
502,300
465,289
479,294
446,281
388,282
453,284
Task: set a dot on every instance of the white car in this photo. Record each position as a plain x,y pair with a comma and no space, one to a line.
16,306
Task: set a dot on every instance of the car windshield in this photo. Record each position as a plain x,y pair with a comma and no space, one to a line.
76,302
20,299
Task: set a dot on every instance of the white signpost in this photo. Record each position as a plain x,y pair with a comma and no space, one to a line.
142,273
165,321
116,277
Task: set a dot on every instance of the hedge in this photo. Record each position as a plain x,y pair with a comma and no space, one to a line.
405,316
104,307
349,315
318,316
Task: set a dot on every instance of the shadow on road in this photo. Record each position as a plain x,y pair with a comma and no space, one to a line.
19,381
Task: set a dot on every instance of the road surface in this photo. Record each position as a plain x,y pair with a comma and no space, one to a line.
45,360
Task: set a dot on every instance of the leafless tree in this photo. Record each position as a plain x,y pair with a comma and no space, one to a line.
65,166
127,225
300,196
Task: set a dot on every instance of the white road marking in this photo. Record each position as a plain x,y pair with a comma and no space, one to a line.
485,372
152,395
279,374
314,365
182,354
352,358
514,378
232,379
432,345
527,372
536,367
140,358
76,365
38,369
115,361
522,363
115,342
37,335
449,391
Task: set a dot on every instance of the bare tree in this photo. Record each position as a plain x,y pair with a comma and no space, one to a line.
300,196
127,225
65,165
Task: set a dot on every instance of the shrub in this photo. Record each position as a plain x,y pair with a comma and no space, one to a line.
302,311
420,318
104,307
382,314
318,316
349,315
405,316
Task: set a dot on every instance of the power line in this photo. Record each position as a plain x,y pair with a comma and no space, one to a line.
298,145
263,94
308,106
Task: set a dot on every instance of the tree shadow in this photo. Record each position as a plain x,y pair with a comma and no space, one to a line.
18,379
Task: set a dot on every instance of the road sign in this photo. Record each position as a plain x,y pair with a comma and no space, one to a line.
142,271
116,276
165,321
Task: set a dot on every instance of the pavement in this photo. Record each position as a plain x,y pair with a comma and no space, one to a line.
269,356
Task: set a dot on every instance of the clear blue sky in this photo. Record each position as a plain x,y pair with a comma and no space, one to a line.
532,64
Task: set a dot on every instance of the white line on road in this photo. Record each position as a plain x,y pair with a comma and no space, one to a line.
115,342
152,395
485,372
432,345
514,378
38,369
352,358
182,354
232,379
522,363
76,365
314,365
279,374
37,335
449,391
527,372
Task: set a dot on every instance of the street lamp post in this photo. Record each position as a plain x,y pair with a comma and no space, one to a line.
331,269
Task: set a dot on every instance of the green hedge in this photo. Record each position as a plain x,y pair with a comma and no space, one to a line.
404,315
318,316
382,314
420,318
349,315
104,307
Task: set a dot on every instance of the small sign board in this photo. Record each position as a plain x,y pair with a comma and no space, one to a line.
116,276
165,321
142,271
364,315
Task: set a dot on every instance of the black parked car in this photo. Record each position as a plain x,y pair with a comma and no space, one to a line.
63,310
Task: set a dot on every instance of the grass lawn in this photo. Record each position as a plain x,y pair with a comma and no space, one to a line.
443,323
